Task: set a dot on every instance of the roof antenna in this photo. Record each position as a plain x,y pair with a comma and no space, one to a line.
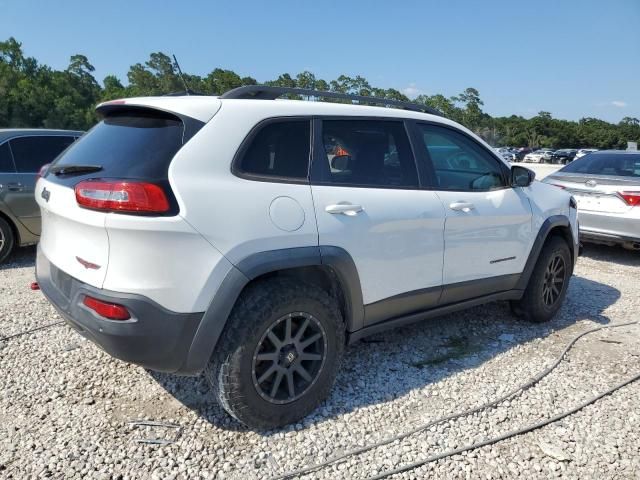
187,90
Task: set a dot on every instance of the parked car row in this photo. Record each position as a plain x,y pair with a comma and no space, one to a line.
542,155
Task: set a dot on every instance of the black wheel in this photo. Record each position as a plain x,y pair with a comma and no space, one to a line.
548,284
279,354
6,239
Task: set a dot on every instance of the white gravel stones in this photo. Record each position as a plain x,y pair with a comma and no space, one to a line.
66,407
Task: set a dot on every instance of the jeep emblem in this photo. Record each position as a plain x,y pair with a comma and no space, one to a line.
46,194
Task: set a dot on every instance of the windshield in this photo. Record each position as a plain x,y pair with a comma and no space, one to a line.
621,164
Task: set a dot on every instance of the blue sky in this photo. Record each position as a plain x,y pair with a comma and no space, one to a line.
574,58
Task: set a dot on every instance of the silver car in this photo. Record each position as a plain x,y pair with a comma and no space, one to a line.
22,153
606,186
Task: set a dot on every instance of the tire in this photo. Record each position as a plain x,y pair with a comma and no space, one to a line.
540,302
7,239
240,379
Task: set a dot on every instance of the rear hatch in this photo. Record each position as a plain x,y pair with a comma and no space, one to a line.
131,145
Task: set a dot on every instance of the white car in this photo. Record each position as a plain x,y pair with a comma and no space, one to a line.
539,156
583,151
253,238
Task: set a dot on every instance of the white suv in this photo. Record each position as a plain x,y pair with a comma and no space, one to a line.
253,238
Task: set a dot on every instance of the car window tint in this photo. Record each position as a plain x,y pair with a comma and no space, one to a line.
6,162
279,149
129,143
460,163
368,153
31,153
620,165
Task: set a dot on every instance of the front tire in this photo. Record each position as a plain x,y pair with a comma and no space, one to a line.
548,284
7,239
279,354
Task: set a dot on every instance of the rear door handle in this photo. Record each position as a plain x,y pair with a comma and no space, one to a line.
15,187
462,206
344,208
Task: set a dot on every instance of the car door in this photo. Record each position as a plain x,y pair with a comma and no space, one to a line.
30,153
487,235
368,201
7,175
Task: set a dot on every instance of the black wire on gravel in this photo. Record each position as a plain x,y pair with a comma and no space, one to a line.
26,332
493,403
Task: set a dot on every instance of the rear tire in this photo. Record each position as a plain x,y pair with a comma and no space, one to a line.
7,239
279,354
548,284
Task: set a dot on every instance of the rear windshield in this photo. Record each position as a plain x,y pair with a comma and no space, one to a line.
129,144
621,165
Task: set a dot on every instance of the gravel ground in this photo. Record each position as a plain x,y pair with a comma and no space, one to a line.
66,407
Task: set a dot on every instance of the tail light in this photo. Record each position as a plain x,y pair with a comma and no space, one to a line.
121,196
112,311
42,171
631,198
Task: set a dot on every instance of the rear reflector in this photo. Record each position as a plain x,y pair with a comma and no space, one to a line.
112,311
121,196
631,198
556,185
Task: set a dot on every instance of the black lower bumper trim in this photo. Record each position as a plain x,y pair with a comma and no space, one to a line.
155,338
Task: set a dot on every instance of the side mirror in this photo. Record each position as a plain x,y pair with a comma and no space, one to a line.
521,177
341,163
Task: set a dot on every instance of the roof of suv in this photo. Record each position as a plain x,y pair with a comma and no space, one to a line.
204,107
6,133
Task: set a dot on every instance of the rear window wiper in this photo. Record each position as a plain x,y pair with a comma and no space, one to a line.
73,169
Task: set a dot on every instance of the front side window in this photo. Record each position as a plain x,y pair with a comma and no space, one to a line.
31,153
372,153
279,149
6,162
460,164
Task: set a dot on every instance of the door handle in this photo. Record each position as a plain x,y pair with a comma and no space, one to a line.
462,206
344,208
15,187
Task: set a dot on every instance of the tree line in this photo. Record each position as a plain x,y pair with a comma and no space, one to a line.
35,95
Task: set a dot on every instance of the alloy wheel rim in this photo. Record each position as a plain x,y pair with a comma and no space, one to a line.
289,358
554,278
1,240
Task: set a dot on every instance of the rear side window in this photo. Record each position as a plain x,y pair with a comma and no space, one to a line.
31,153
279,149
460,164
368,153
6,162
620,165
129,144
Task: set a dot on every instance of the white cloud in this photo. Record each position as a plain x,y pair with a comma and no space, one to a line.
619,103
412,90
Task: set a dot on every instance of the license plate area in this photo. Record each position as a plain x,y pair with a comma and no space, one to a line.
62,281
599,202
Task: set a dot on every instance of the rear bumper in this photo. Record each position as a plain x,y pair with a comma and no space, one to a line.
610,228
154,338
605,237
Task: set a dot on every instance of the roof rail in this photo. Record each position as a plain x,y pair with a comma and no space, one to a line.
264,92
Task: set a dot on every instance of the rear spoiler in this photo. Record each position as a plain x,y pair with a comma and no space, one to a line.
197,108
